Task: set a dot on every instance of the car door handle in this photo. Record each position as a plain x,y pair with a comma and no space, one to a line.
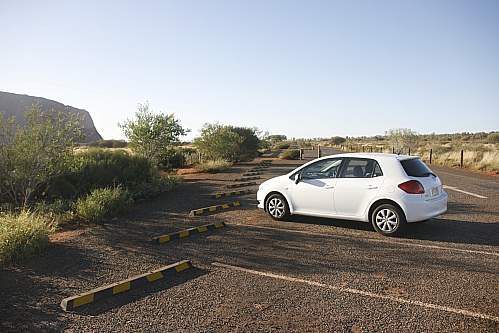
370,187
329,187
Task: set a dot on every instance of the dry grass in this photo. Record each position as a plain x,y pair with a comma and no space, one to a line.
481,157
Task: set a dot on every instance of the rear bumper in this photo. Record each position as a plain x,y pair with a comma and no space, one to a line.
419,209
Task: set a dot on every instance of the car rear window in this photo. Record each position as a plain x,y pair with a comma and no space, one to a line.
415,168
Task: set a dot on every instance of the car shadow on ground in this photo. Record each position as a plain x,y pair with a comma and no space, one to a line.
452,231
354,225
437,230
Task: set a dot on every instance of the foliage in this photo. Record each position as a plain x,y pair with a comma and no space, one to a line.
283,145
108,144
290,154
152,135
401,138
213,166
217,141
337,140
95,168
23,235
102,203
275,138
248,143
228,142
493,137
156,186
32,155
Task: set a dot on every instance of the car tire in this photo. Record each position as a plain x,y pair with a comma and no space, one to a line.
277,207
388,219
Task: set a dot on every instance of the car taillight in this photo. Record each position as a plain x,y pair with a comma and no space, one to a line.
412,187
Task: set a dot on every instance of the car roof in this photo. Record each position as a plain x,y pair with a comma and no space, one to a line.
376,156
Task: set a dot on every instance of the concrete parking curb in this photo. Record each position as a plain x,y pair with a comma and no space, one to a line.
259,169
241,184
101,293
213,208
246,178
185,233
228,194
249,174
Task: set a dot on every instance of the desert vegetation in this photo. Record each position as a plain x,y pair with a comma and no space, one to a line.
46,180
474,151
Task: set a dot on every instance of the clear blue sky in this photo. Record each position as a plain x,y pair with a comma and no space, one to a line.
303,69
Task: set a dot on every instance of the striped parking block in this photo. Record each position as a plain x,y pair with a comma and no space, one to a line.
228,194
185,233
252,173
257,169
213,208
246,178
101,293
241,184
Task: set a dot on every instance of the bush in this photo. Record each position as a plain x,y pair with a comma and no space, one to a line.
157,186
283,145
23,235
213,166
108,144
102,203
290,154
99,168
493,137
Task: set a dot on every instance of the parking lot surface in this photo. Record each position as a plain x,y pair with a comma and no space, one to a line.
258,275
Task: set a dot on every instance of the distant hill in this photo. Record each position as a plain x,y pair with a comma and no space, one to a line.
15,105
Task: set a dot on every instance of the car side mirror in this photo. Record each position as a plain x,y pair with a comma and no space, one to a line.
297,178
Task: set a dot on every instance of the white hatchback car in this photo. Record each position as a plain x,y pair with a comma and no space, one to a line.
384,189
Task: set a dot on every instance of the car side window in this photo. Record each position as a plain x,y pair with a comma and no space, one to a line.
361,168
327,168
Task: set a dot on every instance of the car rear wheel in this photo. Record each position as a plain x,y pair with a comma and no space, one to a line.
277,207
388,219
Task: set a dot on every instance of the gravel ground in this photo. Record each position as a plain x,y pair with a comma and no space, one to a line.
306,275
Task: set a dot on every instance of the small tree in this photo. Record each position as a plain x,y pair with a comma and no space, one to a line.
248,143
218,141
493,137
337,140
37,152
152,135
401,138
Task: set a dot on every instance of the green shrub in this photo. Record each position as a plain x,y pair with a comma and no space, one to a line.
156,186
290,154
283,145
213,166
98,168
23,235
102,203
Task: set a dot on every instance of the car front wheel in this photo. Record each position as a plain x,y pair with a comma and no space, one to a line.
277,207
388,219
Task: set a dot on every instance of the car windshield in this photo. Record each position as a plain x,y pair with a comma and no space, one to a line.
416,168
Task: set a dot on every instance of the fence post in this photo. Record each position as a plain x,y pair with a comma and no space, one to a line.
409,151
318,151
462,158
431,154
